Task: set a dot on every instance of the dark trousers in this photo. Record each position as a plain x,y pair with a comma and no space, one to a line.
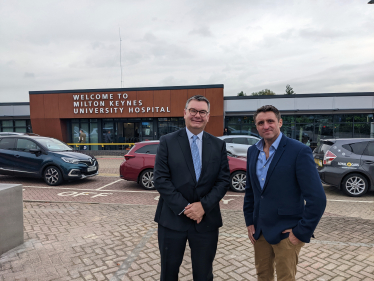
172,245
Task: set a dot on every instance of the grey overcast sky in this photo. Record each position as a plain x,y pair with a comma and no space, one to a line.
316,46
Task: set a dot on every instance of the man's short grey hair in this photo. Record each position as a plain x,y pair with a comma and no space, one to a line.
198,98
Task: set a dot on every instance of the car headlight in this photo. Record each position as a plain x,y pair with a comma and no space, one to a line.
70,160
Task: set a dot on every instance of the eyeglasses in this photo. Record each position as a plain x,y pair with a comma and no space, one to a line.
202,113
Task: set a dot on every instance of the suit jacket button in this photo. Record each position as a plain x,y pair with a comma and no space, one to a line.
262,197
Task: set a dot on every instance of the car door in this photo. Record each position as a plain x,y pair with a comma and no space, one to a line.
367,160
26,162
7,156
240,146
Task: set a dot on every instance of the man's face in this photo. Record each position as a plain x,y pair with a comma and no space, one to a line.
268,125
196,124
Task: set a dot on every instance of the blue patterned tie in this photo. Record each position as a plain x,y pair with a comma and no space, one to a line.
196,157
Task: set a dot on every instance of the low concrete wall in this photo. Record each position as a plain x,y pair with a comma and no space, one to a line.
11,217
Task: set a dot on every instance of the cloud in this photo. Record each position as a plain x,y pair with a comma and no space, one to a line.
29,75
315,46
202,31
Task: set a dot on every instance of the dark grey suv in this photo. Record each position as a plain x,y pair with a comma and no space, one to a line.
347,164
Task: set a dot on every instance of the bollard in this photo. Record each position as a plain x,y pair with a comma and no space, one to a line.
11,217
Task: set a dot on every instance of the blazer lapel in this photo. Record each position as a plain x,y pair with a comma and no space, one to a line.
206,151
186,149
252,168
278,154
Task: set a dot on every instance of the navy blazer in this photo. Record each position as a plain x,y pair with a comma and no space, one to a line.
175,179
292,178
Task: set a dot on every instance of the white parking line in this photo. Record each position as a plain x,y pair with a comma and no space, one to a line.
100,188
86,189
350,201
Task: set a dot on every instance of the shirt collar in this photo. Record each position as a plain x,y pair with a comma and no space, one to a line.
190,135
260,143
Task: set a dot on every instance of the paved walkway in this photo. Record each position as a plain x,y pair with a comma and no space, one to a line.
101,238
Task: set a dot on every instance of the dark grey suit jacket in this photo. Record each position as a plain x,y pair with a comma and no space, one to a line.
175,180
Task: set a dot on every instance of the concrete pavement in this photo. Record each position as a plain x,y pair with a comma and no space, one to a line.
102,229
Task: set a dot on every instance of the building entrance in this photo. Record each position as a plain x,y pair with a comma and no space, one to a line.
128,132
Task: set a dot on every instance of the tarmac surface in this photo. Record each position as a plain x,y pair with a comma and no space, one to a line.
102,228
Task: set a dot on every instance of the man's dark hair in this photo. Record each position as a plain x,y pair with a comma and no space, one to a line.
198,98
267,108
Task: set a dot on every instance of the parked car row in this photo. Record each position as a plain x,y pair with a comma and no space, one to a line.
140,160
345,163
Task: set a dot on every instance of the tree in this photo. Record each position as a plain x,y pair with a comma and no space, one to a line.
265,92
241,94
289,90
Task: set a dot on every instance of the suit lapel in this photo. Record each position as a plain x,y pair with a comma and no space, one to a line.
252,168
278,154
206,151
186,149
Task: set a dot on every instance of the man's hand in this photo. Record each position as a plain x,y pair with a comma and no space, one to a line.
293,239
251,231
195,211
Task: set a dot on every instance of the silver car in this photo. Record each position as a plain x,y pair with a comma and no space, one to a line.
238,144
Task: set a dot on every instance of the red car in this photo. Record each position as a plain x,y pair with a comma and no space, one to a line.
140,160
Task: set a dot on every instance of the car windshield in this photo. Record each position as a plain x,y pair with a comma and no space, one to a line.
54,145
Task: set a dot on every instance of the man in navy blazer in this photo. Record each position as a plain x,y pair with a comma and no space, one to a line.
284,198
191,174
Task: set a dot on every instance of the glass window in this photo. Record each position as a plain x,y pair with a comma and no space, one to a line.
356,148
228,140
7,123
53,144
363,118
75,131
288,118
324,119
343,130
252,141
249,129
338,118
304,119
247,119
20,123
26,145
7,143
240,140
148,149
234,129
369,149
147,131
21,130
323,131
323,147
361,130
233,120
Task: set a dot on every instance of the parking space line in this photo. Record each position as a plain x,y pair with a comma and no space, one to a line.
121,272
350,201
100,188
87,189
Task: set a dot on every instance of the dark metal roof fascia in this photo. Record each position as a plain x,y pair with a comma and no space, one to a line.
13,103
129,89
301,96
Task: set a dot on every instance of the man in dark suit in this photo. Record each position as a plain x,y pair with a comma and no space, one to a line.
191,174
281,175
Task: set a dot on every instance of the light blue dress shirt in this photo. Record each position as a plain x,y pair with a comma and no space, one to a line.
263,164
199,142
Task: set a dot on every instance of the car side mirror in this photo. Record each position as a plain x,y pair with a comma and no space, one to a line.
35,150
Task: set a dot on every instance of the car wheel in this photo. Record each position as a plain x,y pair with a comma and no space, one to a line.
52,175
238,181
355,185
146,179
